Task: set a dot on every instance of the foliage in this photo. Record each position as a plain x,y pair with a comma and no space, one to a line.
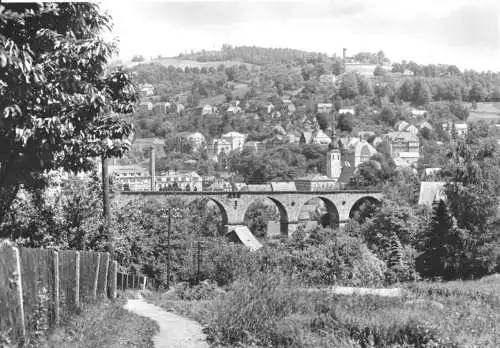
105,324
57,98
472,173
64,214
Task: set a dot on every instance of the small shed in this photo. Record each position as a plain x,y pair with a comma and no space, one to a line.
242,235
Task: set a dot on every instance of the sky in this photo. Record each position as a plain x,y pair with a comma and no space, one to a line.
465,33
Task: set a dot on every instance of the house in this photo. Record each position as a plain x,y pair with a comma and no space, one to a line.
408,72
197,139
401,126
430,192
320,138
179,108
404,146
235,139
278,129
412,129
325,108
425,125
234,109
305,137
432,171
459,128
355,151
179,180
418,113
255,146
360,68
293,137
130,177
347,111
218,146
403,142
209,110
147,89
242,235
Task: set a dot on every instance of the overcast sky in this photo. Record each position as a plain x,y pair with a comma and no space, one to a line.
461,32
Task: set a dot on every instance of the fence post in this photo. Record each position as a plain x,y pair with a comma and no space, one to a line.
11,290
96,277
77,280
55,258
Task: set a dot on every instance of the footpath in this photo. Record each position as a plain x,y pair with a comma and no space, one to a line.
175,331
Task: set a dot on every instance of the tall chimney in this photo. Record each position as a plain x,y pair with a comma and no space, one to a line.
152,168
344,51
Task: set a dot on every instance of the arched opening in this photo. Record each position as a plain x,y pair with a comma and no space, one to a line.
266,218
211,215
319,211
364,208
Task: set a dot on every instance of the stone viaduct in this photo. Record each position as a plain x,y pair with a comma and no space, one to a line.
233,204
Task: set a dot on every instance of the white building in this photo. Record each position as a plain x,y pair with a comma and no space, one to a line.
184,181
235,139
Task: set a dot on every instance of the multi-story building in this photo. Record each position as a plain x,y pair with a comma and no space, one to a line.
404,147
179,180
325,108
218,146
355,151
235,139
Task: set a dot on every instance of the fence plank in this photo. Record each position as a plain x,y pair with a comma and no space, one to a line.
112,279
11,291
102,275
89,262
37,267
96,276
69,278
55,289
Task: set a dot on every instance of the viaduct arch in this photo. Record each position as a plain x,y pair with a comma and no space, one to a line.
234,204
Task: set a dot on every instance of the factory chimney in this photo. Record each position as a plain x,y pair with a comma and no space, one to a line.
152,168
344,51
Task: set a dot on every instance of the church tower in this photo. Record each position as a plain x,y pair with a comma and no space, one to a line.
333,161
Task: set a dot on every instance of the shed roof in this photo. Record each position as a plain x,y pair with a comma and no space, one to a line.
241,234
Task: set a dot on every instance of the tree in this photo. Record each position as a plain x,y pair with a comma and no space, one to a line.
438,244
345,122
349,86
379,71
323,121
472,174
57,99
406,90
422,92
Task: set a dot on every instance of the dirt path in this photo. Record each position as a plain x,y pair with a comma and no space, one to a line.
175,331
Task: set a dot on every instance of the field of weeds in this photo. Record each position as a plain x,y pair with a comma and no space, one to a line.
269,311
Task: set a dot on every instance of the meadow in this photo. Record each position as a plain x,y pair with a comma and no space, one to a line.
271,311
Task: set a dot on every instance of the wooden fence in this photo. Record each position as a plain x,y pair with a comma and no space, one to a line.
55,281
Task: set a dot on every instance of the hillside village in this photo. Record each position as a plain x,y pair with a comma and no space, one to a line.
215,113
246,196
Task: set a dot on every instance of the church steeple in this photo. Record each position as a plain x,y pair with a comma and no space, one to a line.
334,144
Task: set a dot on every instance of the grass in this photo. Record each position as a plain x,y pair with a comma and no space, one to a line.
267,311
105,324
